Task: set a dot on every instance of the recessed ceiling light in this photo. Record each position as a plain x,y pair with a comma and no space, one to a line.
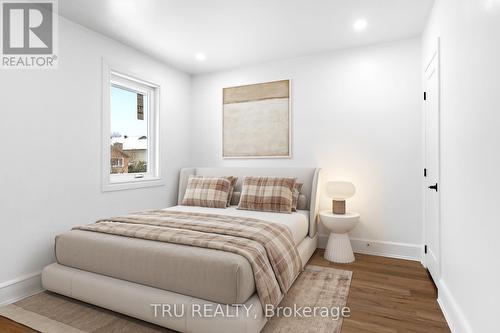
360,24
200,56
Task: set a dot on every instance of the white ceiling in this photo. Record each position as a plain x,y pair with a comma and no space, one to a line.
232,33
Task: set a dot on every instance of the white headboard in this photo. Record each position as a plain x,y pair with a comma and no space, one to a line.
310,177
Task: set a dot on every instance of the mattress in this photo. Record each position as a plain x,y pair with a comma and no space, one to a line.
213,275
298,222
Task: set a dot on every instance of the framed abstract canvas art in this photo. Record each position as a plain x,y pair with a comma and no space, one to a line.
257,121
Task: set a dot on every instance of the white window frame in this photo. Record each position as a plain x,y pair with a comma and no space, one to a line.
113,76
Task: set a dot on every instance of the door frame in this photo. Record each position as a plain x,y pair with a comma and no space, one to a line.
434,55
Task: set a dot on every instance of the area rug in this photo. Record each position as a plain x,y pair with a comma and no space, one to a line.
313,304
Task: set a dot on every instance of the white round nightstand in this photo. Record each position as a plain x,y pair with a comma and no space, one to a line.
339,247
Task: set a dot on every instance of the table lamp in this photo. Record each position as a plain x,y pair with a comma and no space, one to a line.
339,191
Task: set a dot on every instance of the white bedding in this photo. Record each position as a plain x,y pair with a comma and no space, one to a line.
298,222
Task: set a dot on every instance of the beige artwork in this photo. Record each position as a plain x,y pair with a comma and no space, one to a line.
256,120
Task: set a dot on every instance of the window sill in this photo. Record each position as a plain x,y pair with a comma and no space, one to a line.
132,184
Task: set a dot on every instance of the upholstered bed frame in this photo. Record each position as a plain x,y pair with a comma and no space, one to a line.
136,300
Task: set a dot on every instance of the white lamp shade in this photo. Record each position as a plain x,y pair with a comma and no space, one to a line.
340,190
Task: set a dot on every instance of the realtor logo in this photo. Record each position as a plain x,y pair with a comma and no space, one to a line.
28,34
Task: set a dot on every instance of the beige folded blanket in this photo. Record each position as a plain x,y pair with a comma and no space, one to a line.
269,247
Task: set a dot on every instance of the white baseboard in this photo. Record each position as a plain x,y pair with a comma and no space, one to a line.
381,248
19,288
451,311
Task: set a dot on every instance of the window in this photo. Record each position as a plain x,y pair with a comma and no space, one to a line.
130,131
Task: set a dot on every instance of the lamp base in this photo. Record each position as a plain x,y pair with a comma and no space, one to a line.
338,207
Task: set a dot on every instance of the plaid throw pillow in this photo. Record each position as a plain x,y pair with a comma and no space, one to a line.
295,195
207,192
267,194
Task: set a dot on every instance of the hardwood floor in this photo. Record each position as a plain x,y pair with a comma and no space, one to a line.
9,326
389,296
386,296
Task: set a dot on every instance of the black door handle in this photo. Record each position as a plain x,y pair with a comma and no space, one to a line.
434,187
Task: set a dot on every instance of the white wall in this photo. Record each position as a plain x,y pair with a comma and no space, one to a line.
470,181
356,114
50,130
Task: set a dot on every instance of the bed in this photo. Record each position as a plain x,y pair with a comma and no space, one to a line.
128,275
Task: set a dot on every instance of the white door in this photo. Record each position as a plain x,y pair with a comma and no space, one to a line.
431,171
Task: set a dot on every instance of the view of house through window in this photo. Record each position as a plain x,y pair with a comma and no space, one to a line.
129,131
